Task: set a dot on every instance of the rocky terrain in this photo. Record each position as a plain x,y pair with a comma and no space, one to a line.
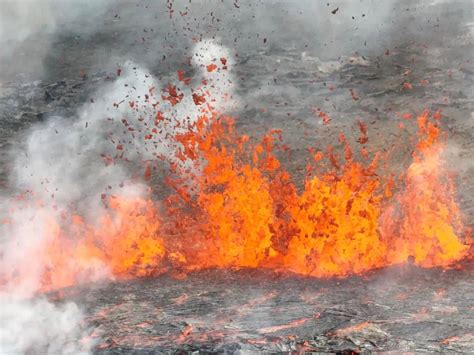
398,309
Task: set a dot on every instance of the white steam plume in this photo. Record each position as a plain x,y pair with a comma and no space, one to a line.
63,163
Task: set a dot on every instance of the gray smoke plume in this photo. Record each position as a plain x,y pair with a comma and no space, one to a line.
40,34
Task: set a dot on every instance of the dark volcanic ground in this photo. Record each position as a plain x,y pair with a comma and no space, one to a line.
399,309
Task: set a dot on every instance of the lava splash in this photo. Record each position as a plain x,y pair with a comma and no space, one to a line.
234,205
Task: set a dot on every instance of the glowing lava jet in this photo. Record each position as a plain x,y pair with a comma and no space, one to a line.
235,206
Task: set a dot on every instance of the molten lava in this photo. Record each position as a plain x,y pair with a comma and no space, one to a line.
429,228
248,213
126,242
235,206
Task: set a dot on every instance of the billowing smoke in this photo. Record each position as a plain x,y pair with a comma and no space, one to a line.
67,165
40,34
158,34
39,325
28,30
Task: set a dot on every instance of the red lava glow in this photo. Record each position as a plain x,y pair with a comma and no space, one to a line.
293,324
235,206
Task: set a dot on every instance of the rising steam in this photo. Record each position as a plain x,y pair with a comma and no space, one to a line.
66,166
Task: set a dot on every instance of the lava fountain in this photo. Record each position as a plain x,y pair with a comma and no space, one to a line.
235,206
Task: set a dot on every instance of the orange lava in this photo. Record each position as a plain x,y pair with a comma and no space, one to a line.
352,329
429,228
237,207
293,324
347,220
125,242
